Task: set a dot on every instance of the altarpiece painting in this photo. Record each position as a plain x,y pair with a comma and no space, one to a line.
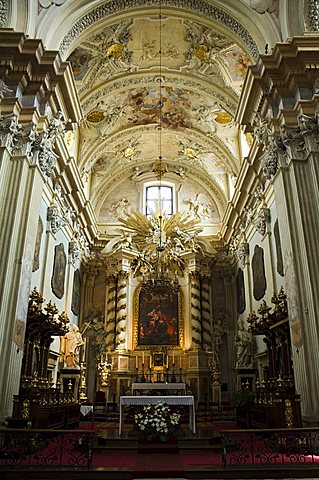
158,322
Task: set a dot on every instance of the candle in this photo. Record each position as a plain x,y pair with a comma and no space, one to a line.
143,358
136,361
173,359
180,362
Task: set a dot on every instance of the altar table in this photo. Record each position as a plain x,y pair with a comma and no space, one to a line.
169,400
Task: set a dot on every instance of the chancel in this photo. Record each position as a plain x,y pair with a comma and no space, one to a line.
159,225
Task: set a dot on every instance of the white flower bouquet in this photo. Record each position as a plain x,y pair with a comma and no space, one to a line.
157,422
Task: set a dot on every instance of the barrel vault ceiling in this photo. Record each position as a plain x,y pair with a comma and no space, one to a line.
160,80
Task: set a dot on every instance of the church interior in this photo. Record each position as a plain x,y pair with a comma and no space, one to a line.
159,171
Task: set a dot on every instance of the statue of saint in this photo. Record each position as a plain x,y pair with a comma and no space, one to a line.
243,341
72,341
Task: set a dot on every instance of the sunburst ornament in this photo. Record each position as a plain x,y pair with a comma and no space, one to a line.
160,241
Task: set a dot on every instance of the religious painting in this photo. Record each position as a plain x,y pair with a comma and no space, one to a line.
58,275
79,60
36,257
159,360
158,319
259,277
172,109
280,263
241,301
18,335
75,303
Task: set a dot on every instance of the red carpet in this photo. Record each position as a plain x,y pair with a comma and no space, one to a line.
158,463
221,426
114,460
199,459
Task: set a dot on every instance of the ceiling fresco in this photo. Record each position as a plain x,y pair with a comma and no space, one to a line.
155,86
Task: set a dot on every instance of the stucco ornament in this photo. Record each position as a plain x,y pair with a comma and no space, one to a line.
9,130
55,219
3,13
262,220
4,89
263,6
48,3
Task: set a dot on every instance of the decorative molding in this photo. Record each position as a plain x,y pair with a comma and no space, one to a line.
262,221
294,142
43,144
313,15
309,130
24,141
243,254
269,162
74,252
4,89
3,13
200,7
48,3
9,130
55,221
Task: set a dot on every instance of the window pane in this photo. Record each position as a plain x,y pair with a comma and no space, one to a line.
159,196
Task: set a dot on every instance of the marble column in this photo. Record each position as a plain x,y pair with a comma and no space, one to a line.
21,187
195,301
296,189
206,312
110,312
121,311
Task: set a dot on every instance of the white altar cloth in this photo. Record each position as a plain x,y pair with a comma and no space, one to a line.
168,399
159,386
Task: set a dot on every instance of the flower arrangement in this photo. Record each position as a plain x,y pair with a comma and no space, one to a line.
157,422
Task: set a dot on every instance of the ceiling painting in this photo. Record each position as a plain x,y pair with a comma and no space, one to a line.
153,87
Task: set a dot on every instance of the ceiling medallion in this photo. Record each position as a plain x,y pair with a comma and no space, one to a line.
128,152
190,153
202,51
96,116
223,118
115,51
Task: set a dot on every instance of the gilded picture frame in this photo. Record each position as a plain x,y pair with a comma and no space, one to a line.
158,320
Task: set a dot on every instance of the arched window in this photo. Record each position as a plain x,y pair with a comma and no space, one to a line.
159,198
